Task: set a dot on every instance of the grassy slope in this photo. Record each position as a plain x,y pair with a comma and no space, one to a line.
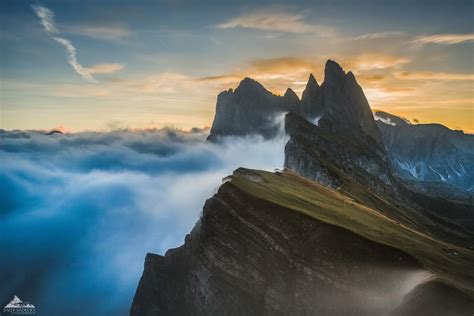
333,207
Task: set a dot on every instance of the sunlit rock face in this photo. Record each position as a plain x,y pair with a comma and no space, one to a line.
429,153
249,257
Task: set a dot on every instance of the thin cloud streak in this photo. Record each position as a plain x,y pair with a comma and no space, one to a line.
46,17
378,35
275,20
72,59
446,39
101,32
429,75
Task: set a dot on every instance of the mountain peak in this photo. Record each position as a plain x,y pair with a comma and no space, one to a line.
310,97
333,72
311,81
290,94
249,83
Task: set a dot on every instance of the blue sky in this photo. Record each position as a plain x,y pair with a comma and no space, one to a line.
162,63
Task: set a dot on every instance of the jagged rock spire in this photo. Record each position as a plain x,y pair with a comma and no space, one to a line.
311,91
289,101
310,98
333,73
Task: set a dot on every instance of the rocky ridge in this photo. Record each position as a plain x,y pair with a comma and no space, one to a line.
335,234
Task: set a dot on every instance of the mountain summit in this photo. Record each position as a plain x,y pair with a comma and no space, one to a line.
339,103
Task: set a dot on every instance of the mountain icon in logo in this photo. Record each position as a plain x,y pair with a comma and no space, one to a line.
17,306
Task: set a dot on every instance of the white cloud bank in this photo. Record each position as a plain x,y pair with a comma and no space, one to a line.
87,207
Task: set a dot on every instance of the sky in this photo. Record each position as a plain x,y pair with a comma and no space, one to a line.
102,65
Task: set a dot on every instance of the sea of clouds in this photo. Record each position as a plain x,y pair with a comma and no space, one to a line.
78,212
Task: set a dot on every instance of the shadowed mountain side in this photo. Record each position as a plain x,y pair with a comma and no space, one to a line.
278,244
247,256
363,172
339,104
250,109
319,154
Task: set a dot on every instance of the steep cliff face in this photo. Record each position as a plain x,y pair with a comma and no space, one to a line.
247,256
339,105
279,244
344,108
319,154
311,99
250,109
428,152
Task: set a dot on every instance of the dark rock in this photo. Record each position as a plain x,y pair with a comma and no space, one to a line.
319,154
54,132
249,110
344,108
290,101
250,257
310,99
339,104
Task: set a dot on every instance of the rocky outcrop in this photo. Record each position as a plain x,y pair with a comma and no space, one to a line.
310,99
344,108
249,110
247,256
268,245
339,105
428,153
329,158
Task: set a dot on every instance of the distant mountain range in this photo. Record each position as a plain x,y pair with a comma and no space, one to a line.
430,153
371,215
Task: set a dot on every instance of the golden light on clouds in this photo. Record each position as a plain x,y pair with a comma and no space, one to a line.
428,75
104,68
386,86
376,61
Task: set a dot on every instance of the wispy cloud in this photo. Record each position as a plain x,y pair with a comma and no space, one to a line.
378,35
446,39
72,59
372,61
278,20
277,74
46,17
429,75
102,32
104,68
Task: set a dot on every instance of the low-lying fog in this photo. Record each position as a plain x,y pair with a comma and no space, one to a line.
79,212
